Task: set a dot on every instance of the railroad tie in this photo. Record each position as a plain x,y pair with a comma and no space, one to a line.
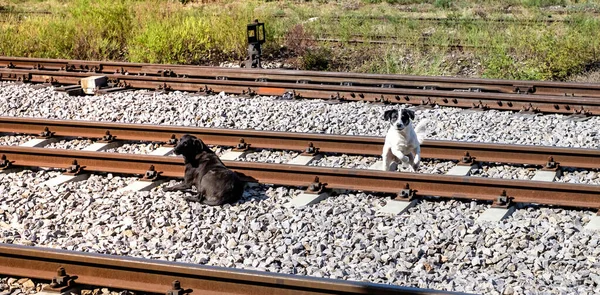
141,185
162,151
100,146
493,214
461,170
307,199
144,185
231,155
377,166
39,142
303,159
70,177
594,223
546,175
394,206
316,192
311,153
397,206
64,178
151,179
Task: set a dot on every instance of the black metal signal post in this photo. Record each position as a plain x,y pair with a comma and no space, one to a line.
256,37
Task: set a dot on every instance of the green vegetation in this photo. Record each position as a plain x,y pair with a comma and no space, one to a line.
468,41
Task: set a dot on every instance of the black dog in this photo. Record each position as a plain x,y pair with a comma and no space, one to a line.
216,184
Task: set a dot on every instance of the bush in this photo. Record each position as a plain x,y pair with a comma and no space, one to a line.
176,40
316,59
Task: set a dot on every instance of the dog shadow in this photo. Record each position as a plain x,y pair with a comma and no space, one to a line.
253,193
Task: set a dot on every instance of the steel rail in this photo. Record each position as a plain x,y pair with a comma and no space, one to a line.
382,40
500,101
494,85
408,18
155,276
364,145
561,194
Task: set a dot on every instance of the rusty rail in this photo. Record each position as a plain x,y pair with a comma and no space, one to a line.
477,100
364,145
155,276
290,76
562,194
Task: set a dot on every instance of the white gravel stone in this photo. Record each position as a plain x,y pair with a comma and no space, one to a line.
344,161
271,113
135,148
365,162
571,175
268,156
492,170
71,144
437,244
15,139
19,286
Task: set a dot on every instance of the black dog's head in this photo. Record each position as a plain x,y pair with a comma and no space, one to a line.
189,146
399,122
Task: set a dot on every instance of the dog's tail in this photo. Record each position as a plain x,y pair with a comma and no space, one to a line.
421,130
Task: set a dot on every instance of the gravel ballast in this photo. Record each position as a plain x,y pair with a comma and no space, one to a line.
271,113
437,244
71,144
135,148
15,139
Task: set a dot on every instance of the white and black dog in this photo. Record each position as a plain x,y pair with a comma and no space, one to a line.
402,142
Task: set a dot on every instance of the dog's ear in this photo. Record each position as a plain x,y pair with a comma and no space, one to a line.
411,113
390,115
198,144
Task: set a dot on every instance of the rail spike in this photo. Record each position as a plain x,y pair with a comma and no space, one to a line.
74,169
311,150
406,193
172,141
316,187
551,165
242,146
503,201
151,174
5,163
62,279
46,133
467,160
177,290
108,137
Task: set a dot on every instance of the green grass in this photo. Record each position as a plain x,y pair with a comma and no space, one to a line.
171,32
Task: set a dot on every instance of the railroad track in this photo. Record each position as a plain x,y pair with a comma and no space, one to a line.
327,143
444,20
409,185
349,80
386,40
154,276
584,106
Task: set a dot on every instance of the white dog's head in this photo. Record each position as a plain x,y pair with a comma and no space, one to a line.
399,122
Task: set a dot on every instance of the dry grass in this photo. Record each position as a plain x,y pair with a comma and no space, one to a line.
207,32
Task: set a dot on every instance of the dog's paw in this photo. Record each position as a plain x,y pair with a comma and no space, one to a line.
168,189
